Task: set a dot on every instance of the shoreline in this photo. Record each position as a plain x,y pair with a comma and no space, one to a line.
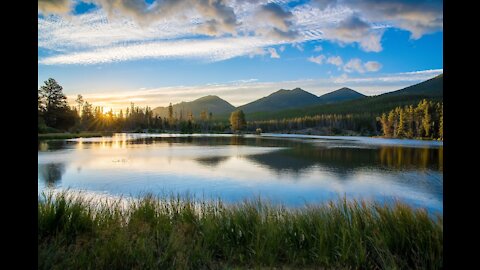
52,136
64,136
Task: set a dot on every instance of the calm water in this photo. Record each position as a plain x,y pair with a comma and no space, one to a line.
291,171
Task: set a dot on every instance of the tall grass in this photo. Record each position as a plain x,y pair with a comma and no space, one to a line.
184,233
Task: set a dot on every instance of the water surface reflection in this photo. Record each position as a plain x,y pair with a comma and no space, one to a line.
286,170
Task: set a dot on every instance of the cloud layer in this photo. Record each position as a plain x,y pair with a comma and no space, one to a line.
353,65
122,30
54,6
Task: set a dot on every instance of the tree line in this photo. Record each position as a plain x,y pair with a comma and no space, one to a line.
425,120
332,123
422,121
55,115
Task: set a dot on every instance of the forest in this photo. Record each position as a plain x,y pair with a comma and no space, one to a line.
55,115
421,121
424,120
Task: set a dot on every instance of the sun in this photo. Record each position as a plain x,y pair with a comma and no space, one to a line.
106,110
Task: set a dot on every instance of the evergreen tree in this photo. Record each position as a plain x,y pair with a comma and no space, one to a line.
79,102
440,128
384,122
426,121
55,102
410,124
401,124
390,124
87,116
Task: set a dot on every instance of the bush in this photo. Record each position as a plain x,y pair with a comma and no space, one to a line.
45,129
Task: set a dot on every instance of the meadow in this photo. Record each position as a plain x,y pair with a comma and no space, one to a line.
174,232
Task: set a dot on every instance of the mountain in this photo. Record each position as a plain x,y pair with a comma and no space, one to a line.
281,100
298,102
213,104
431,89
342,94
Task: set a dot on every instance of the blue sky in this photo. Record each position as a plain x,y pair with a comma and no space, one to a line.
114,52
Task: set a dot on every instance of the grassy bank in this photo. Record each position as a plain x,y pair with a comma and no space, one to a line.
60,136
161,233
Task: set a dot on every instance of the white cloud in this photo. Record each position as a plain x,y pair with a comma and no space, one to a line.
340,79
354,64
209,50
274,22
318,48
297,46
354,29
335,60
419,17
317,59
119,27
372,66
215,17
273,53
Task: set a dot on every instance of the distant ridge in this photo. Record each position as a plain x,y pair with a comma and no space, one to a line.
431,89
342,94
298,102
280,100
210,103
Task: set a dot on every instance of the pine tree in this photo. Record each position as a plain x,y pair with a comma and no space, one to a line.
440,128
55,102
426,121
390,123
384,122
401,124
79,102
410,112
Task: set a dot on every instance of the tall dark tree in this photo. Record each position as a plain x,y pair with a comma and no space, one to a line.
79,102
427,120
401,124
440,127
57,114
87,116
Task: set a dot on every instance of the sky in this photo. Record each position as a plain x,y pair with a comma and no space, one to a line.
114,52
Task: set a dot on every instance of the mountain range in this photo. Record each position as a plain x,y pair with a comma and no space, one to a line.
213,104
298,102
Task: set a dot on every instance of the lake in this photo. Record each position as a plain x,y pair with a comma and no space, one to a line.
287,169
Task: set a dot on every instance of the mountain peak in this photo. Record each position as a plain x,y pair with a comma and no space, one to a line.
281,99
345,89
298,89
293,91
210,103
342,94
208,98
